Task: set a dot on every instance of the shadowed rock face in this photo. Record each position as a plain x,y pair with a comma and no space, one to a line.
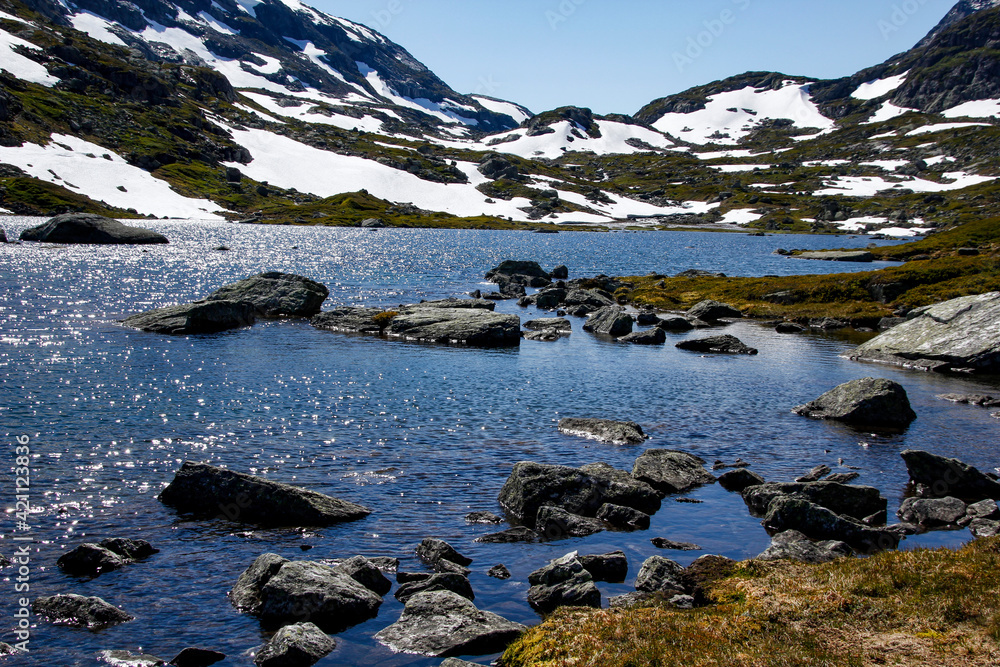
200,317
79,611
91,229
864,402
276,295
961,334
205,490
933,476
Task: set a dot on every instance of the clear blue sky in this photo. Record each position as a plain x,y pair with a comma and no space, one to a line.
614,56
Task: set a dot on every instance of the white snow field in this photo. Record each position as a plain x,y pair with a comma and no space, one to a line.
869,186
102,175
738,112
879,87
975,109
22,67
569,137
942,127
888,111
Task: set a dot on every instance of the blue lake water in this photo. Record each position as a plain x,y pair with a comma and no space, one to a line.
421,434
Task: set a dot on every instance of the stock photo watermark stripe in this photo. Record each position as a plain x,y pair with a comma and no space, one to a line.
23,540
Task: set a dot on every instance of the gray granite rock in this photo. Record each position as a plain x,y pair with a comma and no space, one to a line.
298,645
87,228
866,402
276,295
793,545
199,317
79,611
604,430
671,471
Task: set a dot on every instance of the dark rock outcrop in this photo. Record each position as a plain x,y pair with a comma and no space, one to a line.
442,623
793,545
611,567
819,523
476,327
198,317
857,502
725,344
299,644
442,557
931,513
933,476
79,611
276,295
90,560
564,582
655,336
555,523
511,536
713,311
529,274
661,575
623,518
197,657
363,571
865,402
88,228
739,480
456,583
669,471
604,430
205,490
958,335
609,321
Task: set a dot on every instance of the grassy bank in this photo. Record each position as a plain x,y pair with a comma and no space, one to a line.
935,271
923,607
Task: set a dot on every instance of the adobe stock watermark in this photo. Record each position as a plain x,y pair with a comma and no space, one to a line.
562,13
715,28
900,16
23,539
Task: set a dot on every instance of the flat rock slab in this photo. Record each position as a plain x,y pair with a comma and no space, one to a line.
958,335
865,402
443,624
725,344
604,430
199,317
276,295
79,611
839,256
206,490
671,471
475,327
88,228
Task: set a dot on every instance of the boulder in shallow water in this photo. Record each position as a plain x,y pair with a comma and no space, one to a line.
199,317
866,402
932,513
564,582
819,523
555,523
327,597
713,311
90,560
79,611
857,502
208,491
610,321
90,229
604,430
725,344
670,471
475,327
958,335
653,336
933,476
276,295
442,623
456,583
298,645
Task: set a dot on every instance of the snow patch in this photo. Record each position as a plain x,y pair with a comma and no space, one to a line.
869,186
568,138
941,127
879,87
506,108
888,111
20,66
976,109
740,216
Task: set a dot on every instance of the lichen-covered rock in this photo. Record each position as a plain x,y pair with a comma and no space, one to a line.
206,490
933,476
350,319
670,471
88,228
526,273
511,536
793,545
363,571
558,323
79,611
604,430
865,402
298,645
957,335
199,317
839,256
725,344
276,295
442,623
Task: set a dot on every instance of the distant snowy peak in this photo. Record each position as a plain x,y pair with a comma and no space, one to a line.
282,47
961,11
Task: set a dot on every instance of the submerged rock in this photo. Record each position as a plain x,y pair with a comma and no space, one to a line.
864,402
199,317
130,659
293,645
670,471
88,228
933,476
79,611
726,344
205,490
442,623
793,545
604,430
276,295
958,335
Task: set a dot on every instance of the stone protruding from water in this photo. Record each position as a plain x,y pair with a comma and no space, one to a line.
793,545
87,228
610,321
205,490
276,295
603,430
199,317
958,335
299,644
725,344
564,582
713,311
865,402
933,476
670,471
79,611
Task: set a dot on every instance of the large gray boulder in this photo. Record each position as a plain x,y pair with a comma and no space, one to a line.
661,575
610,321
79,611
933,476
793,545
199,317
298,645
604,430
725,344
90,229
958,335
712,311
330,599
588,299
857,502
865,402
497,166
246,593
363,571
564,582
932,513
442,623
475,327
206,490
276,295
350,319
819,523
669,471
578,491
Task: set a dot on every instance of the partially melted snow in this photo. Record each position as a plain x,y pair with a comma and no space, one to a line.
568,138
869,186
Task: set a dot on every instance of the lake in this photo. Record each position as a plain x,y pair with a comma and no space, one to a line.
421,434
